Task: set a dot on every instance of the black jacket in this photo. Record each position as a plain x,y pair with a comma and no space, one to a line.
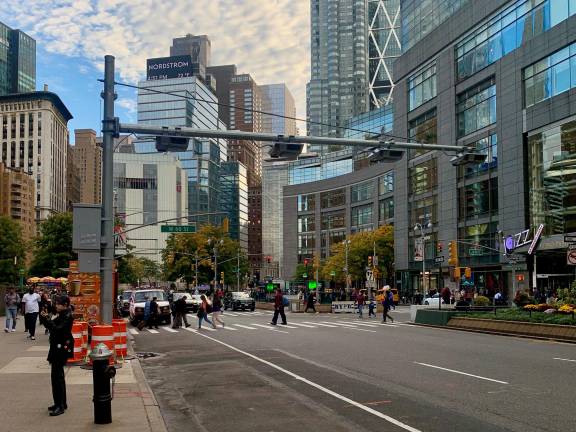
61,341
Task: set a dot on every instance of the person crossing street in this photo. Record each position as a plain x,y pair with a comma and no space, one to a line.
279,308
203,312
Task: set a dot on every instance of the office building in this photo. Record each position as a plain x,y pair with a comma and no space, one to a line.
197,47
73,181
17,61
87,156
234,200
498,76
278,100
35,139
223,76
338,88
150,189
17,199
122,144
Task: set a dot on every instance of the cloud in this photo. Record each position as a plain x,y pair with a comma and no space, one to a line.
268,39
128,104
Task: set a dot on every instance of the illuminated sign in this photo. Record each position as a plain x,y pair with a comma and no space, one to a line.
522,239
169,67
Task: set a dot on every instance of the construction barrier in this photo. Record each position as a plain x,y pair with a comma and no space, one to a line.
121,349
77,336
84,339
103,334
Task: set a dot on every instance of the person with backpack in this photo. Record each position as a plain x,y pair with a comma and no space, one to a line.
203,311
279,303
387,301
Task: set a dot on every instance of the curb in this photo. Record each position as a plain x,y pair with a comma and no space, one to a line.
496,333
155,419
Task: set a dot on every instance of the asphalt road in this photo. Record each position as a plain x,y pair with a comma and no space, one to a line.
328,372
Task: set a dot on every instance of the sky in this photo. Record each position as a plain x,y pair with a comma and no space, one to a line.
268,39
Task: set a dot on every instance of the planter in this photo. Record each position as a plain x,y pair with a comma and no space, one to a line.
550,331
434,317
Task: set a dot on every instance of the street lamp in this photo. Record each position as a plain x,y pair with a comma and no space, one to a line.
417,227
346,246
215,244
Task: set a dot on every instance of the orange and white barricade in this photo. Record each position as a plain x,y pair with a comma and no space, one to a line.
84,339
77,336
120,345
103,334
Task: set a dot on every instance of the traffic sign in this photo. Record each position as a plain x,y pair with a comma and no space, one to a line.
570,238
571,257
178,228
439,259
475,252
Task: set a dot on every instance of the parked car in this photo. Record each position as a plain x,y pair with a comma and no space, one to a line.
123,303
239,300
433,300
137,308
192,301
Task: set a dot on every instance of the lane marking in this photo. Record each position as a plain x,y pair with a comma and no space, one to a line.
563,359
269,328
229,328
152,331
364,330
462,373
133,331
344,325
231,314
303,325
320,324
170,330
207,328
323,389
190,330
245,327
287,326
365,325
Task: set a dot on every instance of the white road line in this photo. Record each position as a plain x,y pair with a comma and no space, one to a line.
245,327
320,324
363,324
152,331
168,329
303,325
133,331
288,326
343,325
190,330
462,373
229,328
563,359
191,316
269,328
208,328
323,389
364,330
230,313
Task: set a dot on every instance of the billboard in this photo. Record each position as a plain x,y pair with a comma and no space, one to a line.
169,67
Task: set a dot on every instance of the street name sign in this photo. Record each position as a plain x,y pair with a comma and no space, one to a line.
439,259
178,228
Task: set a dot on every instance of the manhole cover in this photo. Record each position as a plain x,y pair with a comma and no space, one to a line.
145,355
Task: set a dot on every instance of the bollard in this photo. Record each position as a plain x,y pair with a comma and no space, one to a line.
102,373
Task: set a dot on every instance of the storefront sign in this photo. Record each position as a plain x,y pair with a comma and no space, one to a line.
343,307
169,67
523,238
84,292
418,250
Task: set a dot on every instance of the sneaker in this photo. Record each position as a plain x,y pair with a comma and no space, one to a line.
6,330
13,330
187,325
272,323
32,337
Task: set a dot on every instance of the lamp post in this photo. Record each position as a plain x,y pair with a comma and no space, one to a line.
346,246
216,243
417,227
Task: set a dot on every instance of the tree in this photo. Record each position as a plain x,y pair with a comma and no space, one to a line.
11,246
134,269
53,248
361,247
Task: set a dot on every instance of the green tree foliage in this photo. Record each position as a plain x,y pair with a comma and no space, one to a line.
53,248
11,246
360,248
181,251
132,269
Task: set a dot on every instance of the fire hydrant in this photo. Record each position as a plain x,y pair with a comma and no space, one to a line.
102,373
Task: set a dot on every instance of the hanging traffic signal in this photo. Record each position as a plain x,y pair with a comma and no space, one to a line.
468,273
221,275
453,253
439,248
306,261
370,261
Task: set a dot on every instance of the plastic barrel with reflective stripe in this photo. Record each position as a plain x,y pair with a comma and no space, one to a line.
120,345
103,334
77,336
84,339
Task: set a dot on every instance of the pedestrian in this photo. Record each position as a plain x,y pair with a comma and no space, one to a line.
446,294
61,349
31,308
217,310
180,313
310,302
203,312
279,307
360,303
153,319
11,301
45,306
144,321
387,301
371,307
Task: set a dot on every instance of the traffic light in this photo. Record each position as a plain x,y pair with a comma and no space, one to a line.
453,253
457,273
269,287
439,248
306,261
221,275
226,225
468,273
268,259
370,261
312,285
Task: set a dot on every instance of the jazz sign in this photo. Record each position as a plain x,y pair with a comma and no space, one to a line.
523,238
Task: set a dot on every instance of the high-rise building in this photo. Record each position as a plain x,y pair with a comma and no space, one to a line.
278,100
234,200
35,138
17,61
223,76
17,199
383,48
122,144
73,181
338,88
88,160
197,47
150,188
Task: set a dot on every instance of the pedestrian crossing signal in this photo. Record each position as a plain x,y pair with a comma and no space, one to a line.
269,287
312,285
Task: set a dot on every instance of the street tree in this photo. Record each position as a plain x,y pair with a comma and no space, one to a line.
11,247
53,247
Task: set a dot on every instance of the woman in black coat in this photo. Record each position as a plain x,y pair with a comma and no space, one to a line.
61,349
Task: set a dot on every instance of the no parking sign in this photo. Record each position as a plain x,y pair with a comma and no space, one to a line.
571,255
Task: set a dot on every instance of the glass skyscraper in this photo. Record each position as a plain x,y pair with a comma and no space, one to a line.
17,61
234,200
189,104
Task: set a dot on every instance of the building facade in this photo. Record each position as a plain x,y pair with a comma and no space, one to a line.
278,100
87,155
197,47
17,61
234,200
17,199
338,88
150,189
73,181
223,76
35,139
499,76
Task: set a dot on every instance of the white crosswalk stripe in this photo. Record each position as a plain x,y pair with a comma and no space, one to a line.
269,328
207,328
229,328
303,325
362,324
245,327
169,330
153,331
341,324
287,326
320,324
133,331
230,314
191,330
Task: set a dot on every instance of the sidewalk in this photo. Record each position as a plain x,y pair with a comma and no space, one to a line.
25,384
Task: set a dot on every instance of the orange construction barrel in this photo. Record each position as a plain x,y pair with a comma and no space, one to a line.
84,339
121,348
77,336
103,334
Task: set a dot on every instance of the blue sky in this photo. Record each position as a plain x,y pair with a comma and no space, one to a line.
268,39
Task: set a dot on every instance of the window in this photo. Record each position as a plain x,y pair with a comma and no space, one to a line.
361,217
423,129
423,177
550,76
487,146
333,198
386,209
478,199
507,30
306,202
423,211
362,192
476,108
306,223
386,183
135,183
478,238
334,220
422,86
